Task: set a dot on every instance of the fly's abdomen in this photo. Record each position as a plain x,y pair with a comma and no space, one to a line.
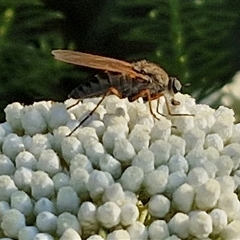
101,83
94,87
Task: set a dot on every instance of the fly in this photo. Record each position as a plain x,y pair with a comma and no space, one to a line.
123,79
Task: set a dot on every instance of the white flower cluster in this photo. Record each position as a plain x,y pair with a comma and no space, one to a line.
122,175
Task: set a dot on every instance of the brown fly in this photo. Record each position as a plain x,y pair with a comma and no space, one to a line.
125,80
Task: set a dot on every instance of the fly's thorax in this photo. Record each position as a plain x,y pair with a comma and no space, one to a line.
154,72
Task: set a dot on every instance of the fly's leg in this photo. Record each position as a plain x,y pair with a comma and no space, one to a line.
146,93
111,90
73,105
158,102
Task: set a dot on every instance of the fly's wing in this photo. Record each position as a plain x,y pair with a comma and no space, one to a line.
97,62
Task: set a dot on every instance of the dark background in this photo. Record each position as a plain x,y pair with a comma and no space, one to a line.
195,40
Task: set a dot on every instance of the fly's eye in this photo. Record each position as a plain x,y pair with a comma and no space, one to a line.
176,85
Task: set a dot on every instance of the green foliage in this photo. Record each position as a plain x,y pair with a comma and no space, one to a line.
194,40
28,72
